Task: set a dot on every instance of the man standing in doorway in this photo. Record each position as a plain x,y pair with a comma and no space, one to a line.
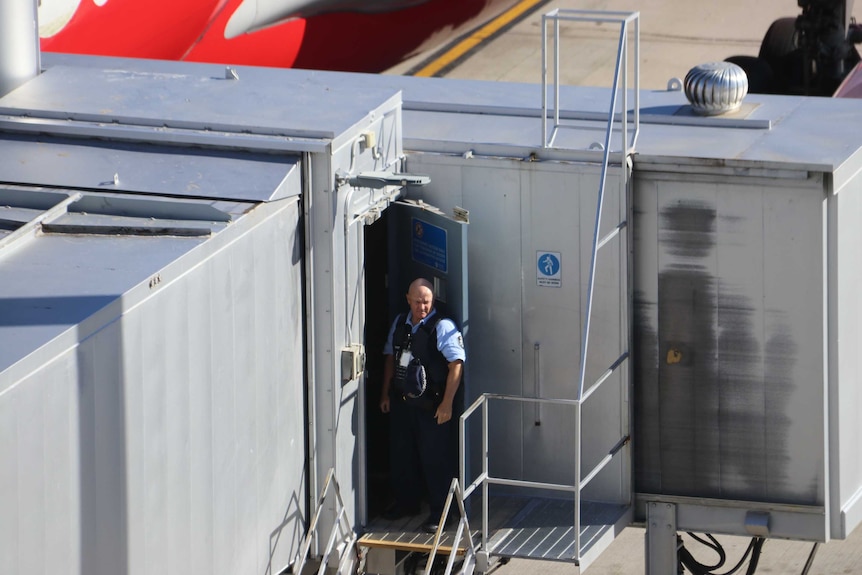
421,376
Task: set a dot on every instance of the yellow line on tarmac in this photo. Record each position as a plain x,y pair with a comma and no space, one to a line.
476,38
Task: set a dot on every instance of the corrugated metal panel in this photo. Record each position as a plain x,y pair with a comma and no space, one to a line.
518,209
160,428
57,277
845,390
729,396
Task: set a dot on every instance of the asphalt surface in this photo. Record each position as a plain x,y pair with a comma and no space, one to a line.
675,35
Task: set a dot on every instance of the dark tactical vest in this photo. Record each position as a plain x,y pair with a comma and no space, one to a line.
422,381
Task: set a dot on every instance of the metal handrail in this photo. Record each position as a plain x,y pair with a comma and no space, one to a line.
580,482
485,479
620,72
621,18
463,525
342,533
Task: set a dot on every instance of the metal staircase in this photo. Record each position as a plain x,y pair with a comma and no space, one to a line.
570,528
456,543
468,562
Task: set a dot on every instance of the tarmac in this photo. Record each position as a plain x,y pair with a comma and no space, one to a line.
675,35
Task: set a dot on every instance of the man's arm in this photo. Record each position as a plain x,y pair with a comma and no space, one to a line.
388,374
453,380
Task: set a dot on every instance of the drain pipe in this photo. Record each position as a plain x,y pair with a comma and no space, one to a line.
19,43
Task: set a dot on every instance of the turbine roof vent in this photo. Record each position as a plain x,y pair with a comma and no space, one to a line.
715,88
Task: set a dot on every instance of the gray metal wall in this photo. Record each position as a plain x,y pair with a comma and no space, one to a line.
517,209
729,364
336,296
169,437
845,335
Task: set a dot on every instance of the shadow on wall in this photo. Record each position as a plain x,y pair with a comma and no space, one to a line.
102,457
292,520
710,398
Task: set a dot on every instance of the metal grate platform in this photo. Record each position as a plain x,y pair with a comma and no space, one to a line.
407,535
522,527
544,529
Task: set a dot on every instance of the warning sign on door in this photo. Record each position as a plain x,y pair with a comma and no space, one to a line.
549,271
429,245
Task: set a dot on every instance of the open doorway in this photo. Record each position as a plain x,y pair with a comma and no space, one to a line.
378,318
410,240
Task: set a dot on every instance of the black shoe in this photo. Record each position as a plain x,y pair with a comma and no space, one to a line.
399,512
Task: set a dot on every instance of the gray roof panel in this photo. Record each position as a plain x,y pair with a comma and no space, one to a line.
145,168
289,103
56,281
88,256
798,132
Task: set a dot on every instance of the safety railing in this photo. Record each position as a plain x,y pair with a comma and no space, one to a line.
342,538
624,19
619,92
462,532
485,479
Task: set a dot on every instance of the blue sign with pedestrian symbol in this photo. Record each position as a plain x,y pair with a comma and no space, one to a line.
549,269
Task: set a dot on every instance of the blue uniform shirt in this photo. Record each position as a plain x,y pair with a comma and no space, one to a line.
449,340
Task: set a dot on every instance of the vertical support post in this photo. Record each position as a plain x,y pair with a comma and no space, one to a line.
578,472
661,545
624,140
556,72
637,58
485,468
308,210
544,80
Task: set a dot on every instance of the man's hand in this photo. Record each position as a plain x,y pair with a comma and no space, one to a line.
384,403
443,413
453,380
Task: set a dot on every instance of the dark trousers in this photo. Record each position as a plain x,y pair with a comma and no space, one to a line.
423,456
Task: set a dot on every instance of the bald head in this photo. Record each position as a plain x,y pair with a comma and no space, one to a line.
420,283
420,298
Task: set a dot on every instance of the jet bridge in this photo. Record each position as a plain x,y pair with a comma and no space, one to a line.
171,361
244,142
200,264
743,254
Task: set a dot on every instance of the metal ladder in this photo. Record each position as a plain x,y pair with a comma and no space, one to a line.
468,564
575,550
624,19
341,556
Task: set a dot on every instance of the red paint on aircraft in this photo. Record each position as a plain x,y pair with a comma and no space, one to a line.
376,42
193,30
162,29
